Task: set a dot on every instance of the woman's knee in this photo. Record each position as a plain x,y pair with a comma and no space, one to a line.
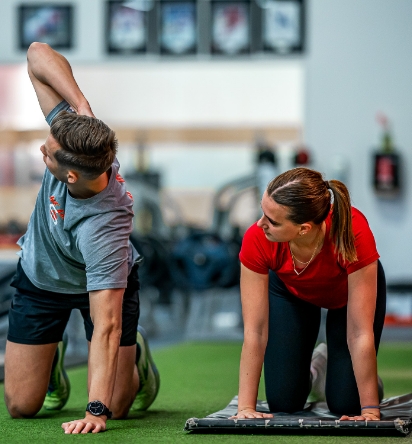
287,398
343,406
343,402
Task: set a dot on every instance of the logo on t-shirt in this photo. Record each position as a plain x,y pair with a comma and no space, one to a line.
54,212
120,179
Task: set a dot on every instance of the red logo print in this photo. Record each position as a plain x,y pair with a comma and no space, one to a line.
54,212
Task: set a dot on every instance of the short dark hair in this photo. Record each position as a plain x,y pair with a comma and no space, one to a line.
87,144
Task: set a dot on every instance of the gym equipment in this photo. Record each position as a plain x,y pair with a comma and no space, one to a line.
302,157
266,167
396,414
387,163
7,271
204,260
154,270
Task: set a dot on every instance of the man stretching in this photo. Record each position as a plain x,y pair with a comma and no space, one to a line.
76,254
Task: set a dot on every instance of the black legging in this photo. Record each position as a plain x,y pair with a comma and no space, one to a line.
293,330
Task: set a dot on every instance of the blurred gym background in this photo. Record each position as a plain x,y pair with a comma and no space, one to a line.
210,100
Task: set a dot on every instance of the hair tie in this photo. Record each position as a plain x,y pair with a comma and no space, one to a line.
370,407
327,184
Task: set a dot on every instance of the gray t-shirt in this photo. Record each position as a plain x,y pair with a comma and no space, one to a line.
79,245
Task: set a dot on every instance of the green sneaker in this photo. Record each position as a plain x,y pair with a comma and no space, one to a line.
59,385
148,374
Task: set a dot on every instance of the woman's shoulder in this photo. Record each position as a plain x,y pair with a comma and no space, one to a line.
359,219
256,234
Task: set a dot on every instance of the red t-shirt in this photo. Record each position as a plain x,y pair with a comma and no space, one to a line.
325,281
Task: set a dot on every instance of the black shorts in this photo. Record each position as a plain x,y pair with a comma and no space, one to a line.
39,317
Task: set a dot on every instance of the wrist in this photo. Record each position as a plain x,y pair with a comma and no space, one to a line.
90,416
83,108
371,407
244,408
97,408
372,411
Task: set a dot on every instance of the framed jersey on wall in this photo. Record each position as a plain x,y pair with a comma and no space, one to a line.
46,23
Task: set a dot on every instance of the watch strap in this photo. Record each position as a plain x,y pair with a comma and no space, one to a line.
105,411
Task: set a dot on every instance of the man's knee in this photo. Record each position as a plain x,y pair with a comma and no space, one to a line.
20,410
120,410
120,414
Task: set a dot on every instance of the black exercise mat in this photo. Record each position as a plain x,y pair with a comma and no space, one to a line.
396,419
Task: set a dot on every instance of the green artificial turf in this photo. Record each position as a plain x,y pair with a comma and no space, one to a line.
196,379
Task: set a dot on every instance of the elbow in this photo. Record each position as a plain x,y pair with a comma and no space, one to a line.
355,337
36,50
255,338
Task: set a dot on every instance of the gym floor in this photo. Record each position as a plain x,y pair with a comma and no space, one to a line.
197,378
196,343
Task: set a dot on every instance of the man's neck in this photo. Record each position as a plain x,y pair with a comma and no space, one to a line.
85,189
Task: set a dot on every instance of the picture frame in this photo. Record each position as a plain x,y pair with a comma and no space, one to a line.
230,27
50,23
126,28
283,26
178,33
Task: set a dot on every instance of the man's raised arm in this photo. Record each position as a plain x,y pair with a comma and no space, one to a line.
53,81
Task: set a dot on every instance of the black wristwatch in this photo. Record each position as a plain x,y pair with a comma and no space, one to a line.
97,408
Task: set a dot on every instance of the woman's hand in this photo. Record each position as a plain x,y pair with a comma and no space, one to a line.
251,414
364,416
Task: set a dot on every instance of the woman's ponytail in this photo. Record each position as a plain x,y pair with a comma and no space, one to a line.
341,230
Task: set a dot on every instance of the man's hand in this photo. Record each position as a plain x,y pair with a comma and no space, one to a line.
251,414
90,423
85,110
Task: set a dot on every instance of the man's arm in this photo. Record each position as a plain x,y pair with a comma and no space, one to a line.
53,81
106,314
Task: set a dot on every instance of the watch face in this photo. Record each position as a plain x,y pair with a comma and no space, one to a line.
96,408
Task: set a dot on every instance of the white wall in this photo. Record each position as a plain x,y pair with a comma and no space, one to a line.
359,62
157,91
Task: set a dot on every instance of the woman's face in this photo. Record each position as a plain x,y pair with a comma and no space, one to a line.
274,223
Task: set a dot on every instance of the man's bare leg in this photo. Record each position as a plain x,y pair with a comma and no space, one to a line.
127,382
26,377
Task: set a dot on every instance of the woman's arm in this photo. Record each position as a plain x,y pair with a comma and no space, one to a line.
255,309
361,339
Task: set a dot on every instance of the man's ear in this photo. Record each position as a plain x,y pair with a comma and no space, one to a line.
72,176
